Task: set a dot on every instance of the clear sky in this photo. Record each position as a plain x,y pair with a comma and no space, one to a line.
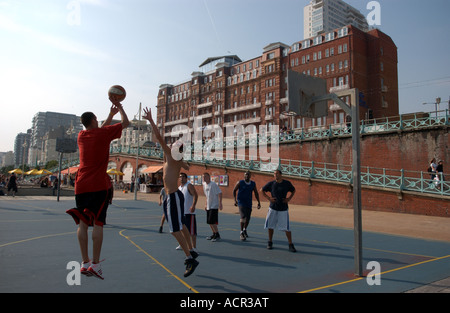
63,55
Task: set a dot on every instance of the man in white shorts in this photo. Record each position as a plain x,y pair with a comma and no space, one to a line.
278,216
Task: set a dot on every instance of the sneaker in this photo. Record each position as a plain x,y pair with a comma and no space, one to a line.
178,248
245,233
85,269
292,248
242,236
160,229
269,245
211,237
96,270
216,237
191,264
194,253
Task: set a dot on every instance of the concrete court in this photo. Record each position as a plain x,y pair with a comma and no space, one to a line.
38,240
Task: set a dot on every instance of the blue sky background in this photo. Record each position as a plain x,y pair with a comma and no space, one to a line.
48,64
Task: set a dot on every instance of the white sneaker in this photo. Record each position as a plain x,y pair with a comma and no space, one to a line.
96,270
179,248
85,269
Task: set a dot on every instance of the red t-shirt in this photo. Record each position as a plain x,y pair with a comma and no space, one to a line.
94,156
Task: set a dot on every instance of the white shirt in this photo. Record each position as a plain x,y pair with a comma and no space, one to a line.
212,192
188,198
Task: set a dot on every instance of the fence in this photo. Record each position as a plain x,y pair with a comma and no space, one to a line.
398,179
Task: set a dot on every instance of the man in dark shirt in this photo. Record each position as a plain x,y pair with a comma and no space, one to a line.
277,216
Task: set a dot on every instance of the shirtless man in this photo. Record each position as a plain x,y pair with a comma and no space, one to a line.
174,202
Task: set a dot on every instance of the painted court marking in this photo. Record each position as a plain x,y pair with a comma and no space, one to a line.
157,262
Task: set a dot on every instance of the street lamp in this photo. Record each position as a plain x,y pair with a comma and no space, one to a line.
436,105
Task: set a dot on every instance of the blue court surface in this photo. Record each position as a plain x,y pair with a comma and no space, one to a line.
38,241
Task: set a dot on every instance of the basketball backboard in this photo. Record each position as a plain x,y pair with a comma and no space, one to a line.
301,91
66,145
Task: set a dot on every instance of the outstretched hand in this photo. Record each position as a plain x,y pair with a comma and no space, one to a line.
148,114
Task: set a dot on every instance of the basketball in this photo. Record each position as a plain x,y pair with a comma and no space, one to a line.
117,91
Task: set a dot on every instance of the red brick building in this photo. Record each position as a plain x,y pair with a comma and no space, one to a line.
229,91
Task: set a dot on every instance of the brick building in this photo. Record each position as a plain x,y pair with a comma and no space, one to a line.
229,91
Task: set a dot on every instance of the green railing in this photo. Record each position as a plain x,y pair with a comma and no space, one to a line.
370,176
376,177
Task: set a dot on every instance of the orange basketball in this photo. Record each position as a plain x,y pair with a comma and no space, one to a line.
117,91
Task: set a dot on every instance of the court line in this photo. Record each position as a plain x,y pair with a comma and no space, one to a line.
159,263
382,273
35,238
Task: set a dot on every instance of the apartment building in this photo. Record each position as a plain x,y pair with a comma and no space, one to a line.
235,92
321,16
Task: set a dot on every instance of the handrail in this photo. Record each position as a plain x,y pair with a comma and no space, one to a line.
398,179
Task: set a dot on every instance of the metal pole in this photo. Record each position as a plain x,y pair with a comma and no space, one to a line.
356,173
136,185
59,176
353,110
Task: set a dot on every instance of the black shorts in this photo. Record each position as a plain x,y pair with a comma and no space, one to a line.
245,213
212,216
190,221
91,208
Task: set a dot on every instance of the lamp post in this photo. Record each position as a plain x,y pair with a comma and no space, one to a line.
436,105
136,180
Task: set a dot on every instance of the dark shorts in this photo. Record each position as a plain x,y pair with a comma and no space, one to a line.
245,213
91,208
190,221
13,187
212,216
174,210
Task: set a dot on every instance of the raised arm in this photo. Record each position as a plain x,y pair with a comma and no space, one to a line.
148,116
118,106
113,111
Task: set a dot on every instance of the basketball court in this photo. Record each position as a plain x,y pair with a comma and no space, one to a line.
38,240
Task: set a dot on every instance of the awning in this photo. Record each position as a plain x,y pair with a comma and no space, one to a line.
152,169
114,171
73,170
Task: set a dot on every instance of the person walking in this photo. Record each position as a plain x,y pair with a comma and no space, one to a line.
432,169
92,183
278,216
12,184
243,190
190,201
212,206
174,201
440,170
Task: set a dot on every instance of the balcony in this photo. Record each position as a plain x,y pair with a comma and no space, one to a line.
176,122
206,115
204,105
243,108
243,122
339,88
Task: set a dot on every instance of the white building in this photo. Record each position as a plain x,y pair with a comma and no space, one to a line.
322,16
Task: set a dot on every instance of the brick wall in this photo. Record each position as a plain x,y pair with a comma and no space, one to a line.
410,150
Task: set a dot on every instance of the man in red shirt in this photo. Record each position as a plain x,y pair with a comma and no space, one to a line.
92,184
